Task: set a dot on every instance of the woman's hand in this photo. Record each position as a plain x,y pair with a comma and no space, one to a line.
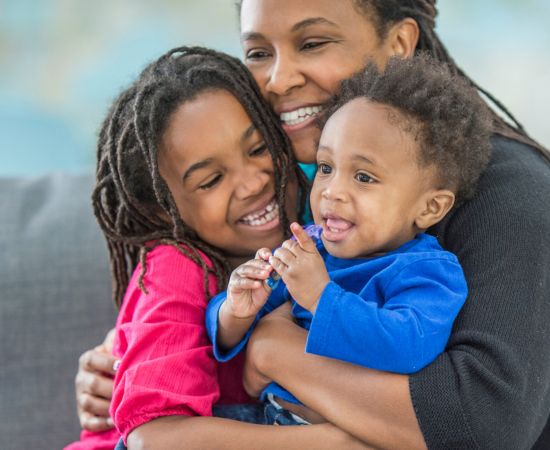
277,322
94,386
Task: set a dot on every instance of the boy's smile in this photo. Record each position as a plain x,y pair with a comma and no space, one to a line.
369,192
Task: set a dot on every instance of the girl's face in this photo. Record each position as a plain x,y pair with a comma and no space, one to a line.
221,175
300,50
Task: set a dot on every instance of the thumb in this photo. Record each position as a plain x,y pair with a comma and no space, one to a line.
303,239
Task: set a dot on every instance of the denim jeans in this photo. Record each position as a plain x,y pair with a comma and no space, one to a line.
267,413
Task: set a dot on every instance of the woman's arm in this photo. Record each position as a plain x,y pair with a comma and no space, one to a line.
491,387
373,406
205,433
94,386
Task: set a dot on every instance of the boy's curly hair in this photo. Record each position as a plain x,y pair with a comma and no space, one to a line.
131,201
444,114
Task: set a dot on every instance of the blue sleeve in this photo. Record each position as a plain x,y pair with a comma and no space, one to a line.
403,334
276,298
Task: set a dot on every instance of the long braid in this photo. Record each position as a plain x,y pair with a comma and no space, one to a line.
424,12
131,200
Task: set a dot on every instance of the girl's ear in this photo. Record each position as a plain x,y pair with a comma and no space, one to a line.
435,205
403,38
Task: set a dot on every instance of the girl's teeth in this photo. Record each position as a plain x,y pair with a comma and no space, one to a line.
271,212
300,115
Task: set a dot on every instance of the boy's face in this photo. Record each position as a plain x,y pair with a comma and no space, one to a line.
369,191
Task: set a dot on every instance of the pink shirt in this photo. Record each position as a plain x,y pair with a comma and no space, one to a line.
167,367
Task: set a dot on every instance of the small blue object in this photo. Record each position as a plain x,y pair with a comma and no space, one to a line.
314,232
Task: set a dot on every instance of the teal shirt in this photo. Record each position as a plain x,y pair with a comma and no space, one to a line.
309,171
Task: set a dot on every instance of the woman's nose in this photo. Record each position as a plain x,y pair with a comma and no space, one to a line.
284,75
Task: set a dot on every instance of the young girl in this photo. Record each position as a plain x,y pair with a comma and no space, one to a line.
194,174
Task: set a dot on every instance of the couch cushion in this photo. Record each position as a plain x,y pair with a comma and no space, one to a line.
55,302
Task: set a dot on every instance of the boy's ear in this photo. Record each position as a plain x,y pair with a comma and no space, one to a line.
435,205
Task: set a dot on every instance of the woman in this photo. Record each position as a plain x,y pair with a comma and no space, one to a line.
491,388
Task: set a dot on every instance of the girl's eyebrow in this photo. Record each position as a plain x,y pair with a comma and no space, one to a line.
248,132
205,162
195,167
255,36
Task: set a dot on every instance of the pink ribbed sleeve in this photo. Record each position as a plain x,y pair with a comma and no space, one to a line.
167,366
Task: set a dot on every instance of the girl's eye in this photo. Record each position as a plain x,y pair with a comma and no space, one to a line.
362,177
323,168
259,150
211,183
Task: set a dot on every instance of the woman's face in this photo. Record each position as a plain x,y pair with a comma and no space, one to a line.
221,176
299,51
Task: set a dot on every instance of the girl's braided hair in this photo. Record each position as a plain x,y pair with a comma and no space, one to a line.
131,201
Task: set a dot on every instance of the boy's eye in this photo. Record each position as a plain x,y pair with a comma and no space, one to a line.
325,169
259,150
362,177
210,183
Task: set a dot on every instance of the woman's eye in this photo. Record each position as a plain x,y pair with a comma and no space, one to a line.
314,44
325,169
211,183
259,150
256,54
364,178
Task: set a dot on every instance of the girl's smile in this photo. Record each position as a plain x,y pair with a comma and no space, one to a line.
221,175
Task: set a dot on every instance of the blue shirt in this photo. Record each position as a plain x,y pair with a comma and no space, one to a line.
392,312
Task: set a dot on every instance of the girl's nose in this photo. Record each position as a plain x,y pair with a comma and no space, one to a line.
251,181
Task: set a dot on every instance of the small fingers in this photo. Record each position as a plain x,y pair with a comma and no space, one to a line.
243,283
263,254
255,269
285,255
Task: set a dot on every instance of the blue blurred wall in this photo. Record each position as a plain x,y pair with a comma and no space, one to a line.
62,62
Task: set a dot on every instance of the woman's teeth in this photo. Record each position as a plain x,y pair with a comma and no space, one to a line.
270,212
300,115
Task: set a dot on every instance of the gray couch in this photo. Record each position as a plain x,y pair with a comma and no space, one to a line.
54,303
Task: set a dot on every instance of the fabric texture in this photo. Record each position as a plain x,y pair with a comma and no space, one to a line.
490,389
167,366
55,302
392,312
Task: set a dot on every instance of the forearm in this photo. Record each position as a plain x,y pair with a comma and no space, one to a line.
204,433
231,329
373,406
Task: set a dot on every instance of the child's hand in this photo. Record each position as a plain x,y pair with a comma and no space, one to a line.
302,268
246,291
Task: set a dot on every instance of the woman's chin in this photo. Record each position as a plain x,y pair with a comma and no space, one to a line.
305,149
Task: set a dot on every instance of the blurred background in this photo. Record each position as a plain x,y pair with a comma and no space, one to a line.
63,61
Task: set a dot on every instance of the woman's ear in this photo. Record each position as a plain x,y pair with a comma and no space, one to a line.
435,205
403,38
